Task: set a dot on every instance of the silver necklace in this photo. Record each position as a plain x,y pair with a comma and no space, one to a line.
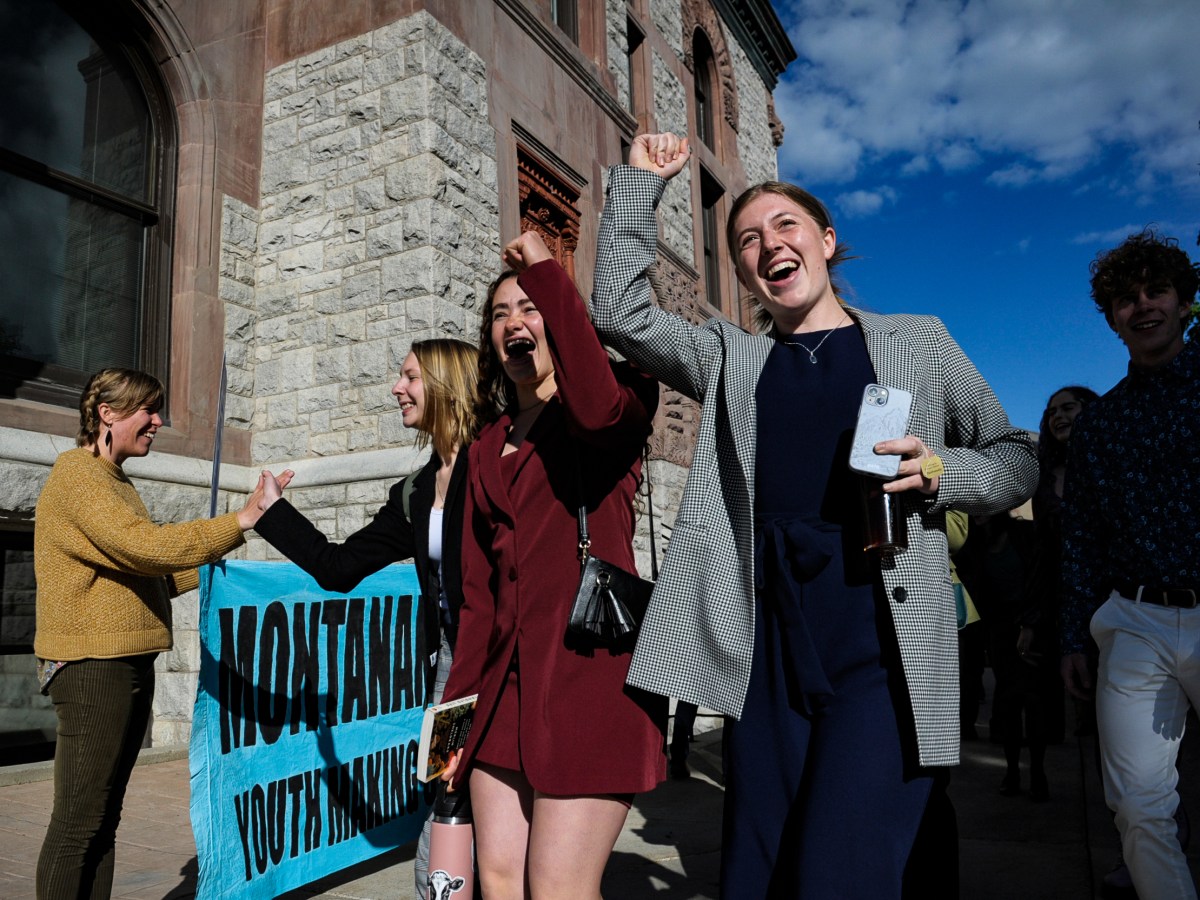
812,354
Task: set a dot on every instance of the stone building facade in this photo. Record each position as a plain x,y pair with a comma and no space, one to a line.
335,181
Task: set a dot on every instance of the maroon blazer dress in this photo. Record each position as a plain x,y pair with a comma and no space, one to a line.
549,703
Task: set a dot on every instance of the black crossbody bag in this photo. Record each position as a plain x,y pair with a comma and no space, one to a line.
610,603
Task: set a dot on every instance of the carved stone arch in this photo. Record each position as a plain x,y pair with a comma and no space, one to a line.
700,14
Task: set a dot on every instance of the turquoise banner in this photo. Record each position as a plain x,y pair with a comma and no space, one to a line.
304,738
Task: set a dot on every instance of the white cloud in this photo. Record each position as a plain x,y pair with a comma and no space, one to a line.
1112,236
865,203
972,84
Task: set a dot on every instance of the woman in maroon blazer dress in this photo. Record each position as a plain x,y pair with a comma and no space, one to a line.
559,744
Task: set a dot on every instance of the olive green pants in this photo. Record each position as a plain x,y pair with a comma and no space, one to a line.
103,708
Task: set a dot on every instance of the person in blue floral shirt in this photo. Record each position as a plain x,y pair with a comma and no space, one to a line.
1130,566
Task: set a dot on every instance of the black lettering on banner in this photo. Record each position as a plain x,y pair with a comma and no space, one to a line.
354,705
396,779
235,677
312,810
374,774
404,675
272,690
262,819
338,802
379,682
411,777
333,616
258,830
268,676
295,784
362,794
306,667
357,806
276,796
241,809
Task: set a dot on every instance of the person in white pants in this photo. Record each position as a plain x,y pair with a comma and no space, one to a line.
1130,569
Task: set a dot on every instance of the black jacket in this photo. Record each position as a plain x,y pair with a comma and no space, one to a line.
387,538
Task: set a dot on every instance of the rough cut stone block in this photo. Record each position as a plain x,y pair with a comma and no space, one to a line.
279,443
415,177
304,260
333,365
385,239
405,101
417,272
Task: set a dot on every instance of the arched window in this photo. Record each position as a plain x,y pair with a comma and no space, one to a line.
84,184
704,89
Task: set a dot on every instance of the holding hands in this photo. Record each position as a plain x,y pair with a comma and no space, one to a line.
273,487
257,503
267,491
663,154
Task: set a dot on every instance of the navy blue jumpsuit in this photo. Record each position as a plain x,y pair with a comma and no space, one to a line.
822,799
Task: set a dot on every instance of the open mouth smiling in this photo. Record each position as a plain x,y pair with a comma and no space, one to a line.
782,269
519,347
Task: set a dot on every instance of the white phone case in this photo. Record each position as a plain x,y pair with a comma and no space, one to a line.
882,416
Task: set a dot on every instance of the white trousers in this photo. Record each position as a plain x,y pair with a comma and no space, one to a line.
1149,676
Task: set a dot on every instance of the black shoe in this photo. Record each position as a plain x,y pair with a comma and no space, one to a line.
680,770
1010,785
1039,790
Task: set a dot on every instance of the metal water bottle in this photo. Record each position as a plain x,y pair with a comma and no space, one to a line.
451,846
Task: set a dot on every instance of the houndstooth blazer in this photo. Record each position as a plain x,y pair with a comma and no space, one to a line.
696,641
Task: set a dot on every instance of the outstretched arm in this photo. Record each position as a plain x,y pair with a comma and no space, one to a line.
677,353
385,539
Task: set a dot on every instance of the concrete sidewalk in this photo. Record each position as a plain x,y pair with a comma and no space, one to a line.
1010,847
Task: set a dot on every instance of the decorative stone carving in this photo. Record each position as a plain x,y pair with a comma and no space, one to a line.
774,121
548,206
678,418
700,14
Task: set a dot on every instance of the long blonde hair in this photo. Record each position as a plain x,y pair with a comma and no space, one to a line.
450,376
125,390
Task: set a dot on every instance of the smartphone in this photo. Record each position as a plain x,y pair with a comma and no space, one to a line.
882,416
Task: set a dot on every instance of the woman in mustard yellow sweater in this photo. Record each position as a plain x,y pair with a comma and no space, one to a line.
105,576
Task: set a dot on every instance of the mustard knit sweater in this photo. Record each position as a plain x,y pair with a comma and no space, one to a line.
105,572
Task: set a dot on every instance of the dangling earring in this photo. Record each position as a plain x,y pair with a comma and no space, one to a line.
108,439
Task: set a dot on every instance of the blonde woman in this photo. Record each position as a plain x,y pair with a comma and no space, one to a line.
423,517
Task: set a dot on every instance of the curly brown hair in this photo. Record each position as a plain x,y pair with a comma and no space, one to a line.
496,390
1146,258
1051,452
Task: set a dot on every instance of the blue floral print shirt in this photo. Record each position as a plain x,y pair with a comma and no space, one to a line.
1131,502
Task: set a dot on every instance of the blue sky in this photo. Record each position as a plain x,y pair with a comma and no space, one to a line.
977,155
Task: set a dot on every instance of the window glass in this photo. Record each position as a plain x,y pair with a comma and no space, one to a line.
80,188
67,103
702,58
73,293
